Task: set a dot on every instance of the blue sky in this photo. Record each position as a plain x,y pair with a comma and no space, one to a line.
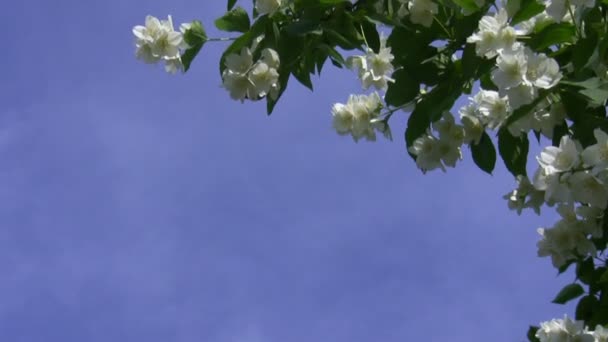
137,206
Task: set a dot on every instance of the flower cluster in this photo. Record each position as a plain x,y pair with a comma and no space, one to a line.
519,74
267,6
158,41
569,330
361,116
374,69
575,179
420,12
245,79
438,152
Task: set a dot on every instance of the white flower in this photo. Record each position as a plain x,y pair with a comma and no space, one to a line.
158,40
597,155
263,78
563,330
521,95
512,66
450,153
558,9
359,117
343,118
493,108
494,35
267,6
586,188
555,186
239,63
472,125
422,12
542,71
563,242
546,120
245,79
271,57
448,130
539,20
428,153
600,334
562,158
525,191
374,68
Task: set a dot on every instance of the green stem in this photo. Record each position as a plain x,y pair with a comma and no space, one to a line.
576,28
443,27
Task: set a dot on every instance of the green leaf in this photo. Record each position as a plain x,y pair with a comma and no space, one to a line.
371,35
563,268
484,154
485,81
302,74
596,96
230,5
557,33
527,9
532,334
430,108
604,278
235,20
195,37
568,293
584,270
514,151
189,55
245,40
304,26
586,307
523,111
336,38
558,132
469,5
403,90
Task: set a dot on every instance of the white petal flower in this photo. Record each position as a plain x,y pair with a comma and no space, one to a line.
523,94
556,9
494,35
359,117
472,124
343,118
546,120
542,71
600,334
525,196
562,158
555,186
586,188
597,155
422,12
512,66
448,130
493,108
271,57
263,78
157,41
428,153
245,79
563,330
563,242
374,69
267,6
239,63
238,85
